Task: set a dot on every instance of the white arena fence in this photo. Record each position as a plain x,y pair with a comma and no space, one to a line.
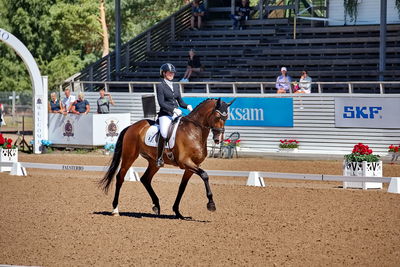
19,168
313,119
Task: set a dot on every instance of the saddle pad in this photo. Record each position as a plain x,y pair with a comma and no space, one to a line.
151,135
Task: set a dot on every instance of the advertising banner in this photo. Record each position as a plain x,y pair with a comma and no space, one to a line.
247,111
363,112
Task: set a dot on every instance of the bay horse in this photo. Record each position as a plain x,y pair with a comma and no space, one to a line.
189,151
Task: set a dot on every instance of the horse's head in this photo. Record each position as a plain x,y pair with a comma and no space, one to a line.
218,118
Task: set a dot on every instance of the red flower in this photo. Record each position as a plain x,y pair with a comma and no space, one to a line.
396,149
9,146
2,141
9,140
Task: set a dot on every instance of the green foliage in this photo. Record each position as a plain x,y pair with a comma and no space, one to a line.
357,157
64,36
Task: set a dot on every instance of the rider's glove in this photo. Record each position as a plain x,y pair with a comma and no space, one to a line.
189,107
177,111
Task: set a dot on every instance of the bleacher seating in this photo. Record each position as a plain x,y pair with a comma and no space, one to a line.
345,53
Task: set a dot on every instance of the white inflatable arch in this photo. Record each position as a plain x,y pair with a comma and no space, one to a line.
39,84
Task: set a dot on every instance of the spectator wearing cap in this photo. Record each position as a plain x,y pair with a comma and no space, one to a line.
283,82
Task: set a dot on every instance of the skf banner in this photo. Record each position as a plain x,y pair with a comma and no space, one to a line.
362,112
246,111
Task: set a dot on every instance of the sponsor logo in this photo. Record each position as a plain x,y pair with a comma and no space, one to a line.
112,128
361,112
73,167
246,114
68,129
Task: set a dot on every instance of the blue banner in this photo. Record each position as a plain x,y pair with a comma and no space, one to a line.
246,111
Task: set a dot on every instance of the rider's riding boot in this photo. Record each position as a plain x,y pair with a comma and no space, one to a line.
160,149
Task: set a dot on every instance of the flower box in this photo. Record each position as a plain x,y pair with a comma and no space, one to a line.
364,168
8,155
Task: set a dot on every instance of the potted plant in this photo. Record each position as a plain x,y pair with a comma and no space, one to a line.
8,152
291,145
362,162
45,147
394,151
109,148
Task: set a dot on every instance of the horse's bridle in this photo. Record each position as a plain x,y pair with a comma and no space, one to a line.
224,117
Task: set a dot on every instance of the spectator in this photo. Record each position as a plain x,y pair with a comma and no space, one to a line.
198,11
283,82
81,106
54,104
242,13
2,121
305,83
67,101
103,103
193,65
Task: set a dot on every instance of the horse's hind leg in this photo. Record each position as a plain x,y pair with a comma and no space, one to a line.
151,170
125,165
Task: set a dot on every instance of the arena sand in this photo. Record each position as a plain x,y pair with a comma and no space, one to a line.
54,218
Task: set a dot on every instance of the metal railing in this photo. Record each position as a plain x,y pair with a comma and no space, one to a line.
234,87
153,39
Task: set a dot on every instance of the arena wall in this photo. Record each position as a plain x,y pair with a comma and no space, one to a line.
313,125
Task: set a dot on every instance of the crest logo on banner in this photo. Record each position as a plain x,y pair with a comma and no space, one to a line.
68,129
112,128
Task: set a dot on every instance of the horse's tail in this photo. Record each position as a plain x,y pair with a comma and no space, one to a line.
106,181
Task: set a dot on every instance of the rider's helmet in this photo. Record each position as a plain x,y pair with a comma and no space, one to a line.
166,67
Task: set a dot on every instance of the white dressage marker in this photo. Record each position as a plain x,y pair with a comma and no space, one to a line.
254,179
394,186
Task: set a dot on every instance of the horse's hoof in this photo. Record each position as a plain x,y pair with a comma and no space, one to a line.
156,210
115,214
211,206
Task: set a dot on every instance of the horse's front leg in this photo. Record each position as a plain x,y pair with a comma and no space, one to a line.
204,176
185,179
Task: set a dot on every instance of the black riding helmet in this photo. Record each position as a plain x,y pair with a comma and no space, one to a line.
166,67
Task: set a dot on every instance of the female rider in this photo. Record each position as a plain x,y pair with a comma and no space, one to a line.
168,97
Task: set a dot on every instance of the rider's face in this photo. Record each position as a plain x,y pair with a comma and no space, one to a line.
169,75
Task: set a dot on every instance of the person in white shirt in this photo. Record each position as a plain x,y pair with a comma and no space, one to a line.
67,101
305,83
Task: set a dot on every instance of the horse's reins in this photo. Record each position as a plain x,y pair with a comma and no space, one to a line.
215,129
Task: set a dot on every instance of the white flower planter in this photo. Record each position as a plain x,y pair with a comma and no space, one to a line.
289,150
373,169
8,155
394,155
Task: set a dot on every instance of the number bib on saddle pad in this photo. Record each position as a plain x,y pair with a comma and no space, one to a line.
151,135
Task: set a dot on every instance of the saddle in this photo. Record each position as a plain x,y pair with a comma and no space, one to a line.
153,132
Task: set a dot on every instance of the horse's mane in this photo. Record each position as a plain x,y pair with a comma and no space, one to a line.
194,111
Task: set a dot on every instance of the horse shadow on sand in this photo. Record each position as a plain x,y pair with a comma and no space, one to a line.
139,215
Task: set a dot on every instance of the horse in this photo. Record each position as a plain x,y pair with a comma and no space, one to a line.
189,152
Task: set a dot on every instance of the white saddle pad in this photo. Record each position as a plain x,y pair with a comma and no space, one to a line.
151,135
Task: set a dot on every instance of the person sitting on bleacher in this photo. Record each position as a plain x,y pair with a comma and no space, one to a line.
283,82
193,65
305,83
198,11
242,13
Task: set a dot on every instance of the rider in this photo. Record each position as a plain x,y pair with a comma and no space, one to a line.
168,97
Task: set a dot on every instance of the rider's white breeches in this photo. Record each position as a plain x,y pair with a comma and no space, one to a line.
165,122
